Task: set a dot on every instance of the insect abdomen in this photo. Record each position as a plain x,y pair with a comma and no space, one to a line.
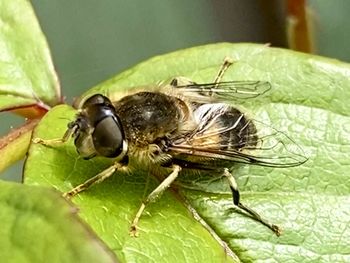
243,133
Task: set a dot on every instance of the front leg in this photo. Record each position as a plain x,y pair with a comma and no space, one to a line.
94,180
72,127
153,196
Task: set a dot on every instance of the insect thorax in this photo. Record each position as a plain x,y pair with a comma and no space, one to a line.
148,116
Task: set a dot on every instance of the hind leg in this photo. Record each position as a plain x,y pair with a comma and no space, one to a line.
251,212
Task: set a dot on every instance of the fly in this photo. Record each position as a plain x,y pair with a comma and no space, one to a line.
179,128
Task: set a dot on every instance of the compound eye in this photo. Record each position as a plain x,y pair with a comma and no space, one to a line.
108,137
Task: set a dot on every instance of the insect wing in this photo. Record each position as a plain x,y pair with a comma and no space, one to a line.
273,148
225,91
266,146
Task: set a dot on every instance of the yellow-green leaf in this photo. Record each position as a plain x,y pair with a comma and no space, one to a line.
308,101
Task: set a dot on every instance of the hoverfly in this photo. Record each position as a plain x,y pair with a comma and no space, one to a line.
178,128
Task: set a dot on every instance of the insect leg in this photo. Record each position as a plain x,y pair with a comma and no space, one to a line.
57,141
94,180
227,63
153,196
236,201
181,81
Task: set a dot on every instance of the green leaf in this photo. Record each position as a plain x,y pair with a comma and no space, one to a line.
27,75
308,101
37,225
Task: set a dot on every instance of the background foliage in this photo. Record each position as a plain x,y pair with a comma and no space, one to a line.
309,101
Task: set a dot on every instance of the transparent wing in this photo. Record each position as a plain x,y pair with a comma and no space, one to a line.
224,91
265,146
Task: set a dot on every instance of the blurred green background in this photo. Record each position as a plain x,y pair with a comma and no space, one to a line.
93,40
